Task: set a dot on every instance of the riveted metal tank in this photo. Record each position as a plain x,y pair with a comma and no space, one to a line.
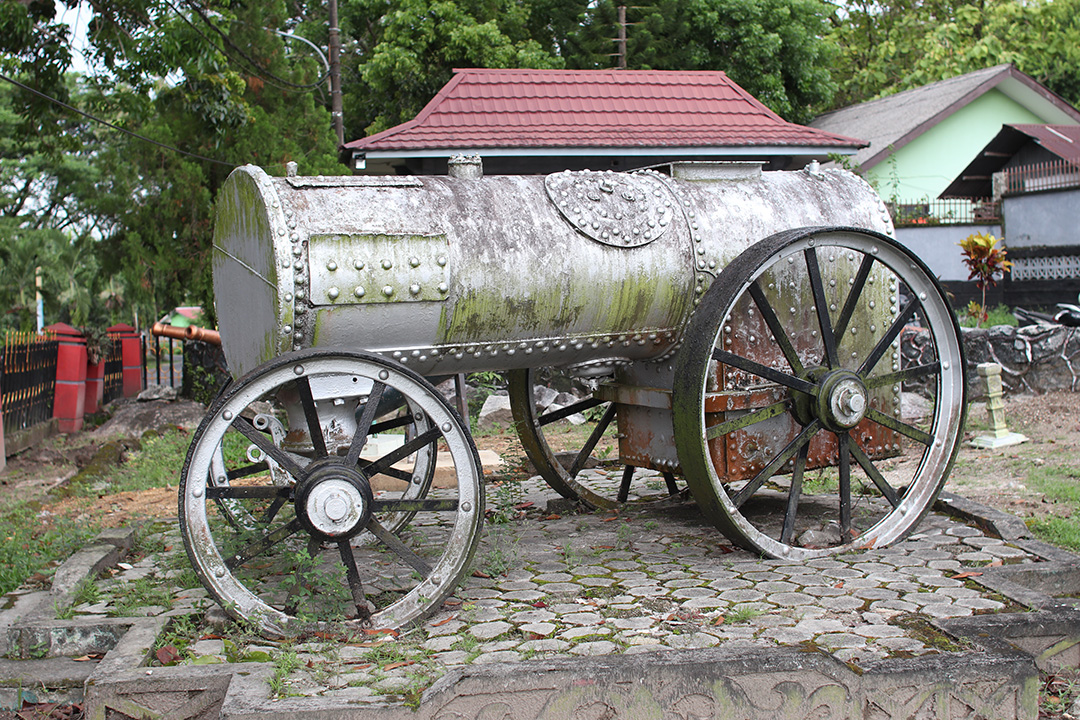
449,274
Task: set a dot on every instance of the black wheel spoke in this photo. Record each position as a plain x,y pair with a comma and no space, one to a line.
903,428
868,467
744,421
405,505
776,463
247,492
843,440
624,486
363,425
778,332
400,549
356,587
907,374
263,544
580,406
247,470
828,338
853,295
390,424
268,447
272,511
883,345
594,438
398,474
794,494
311,415
763,371
380,465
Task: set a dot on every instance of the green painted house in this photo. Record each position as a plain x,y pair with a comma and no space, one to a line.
920,140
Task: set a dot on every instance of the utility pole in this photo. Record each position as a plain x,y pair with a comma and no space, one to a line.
622,37
335,76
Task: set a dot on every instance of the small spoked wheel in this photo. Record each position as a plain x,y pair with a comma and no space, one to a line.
588,470
787,396
310,499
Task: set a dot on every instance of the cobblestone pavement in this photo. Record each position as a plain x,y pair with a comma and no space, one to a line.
552,584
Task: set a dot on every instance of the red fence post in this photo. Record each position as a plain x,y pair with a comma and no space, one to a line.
70,402
131,354
95,385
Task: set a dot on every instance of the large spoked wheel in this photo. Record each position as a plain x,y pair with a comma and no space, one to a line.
575,473
333,535
787,391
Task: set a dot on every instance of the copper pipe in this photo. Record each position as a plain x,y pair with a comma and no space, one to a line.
191,332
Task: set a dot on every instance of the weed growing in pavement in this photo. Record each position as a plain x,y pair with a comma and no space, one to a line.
181,633
1058,692
742,614
507,495
144,592
285,663
310,586
502,552
86,592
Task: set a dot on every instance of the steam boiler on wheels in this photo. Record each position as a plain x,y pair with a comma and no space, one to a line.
742,329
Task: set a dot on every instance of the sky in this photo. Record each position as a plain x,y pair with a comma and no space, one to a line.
77,18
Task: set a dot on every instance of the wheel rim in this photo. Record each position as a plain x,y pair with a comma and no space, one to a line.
614,484
800,389
330,545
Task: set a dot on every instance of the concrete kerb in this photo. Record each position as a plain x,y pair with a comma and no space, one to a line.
997,678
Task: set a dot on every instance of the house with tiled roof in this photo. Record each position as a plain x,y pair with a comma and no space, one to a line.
542,121
920,140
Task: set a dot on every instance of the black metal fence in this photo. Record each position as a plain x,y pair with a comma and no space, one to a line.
27,379
114,372
163,361
952,211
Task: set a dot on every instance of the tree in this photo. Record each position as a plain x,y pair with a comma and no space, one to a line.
403,51
885,47
212,83
772,48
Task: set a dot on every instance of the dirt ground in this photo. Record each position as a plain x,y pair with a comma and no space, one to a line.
993,477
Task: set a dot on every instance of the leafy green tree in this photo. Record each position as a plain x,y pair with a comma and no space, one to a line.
885,47
208,86
772,48
401,52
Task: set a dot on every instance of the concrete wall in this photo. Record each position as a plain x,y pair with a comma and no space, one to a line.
1048,219
936,245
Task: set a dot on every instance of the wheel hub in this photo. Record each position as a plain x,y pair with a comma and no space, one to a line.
334,502
842,400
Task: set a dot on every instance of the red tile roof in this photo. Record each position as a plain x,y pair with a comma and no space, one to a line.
595,108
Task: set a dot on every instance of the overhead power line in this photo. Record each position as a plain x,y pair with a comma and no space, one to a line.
108,124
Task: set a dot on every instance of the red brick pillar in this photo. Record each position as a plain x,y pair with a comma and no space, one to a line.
131,354
95,386
70,401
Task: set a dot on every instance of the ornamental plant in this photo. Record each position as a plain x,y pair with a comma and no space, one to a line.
986,263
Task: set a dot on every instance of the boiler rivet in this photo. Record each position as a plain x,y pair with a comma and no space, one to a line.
383,374
358,264
387,290
299,369
443,288
414,289
227,416
331,266
298,336
414,262
333,293
359,291
441,260
288,297
387,264
286,330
